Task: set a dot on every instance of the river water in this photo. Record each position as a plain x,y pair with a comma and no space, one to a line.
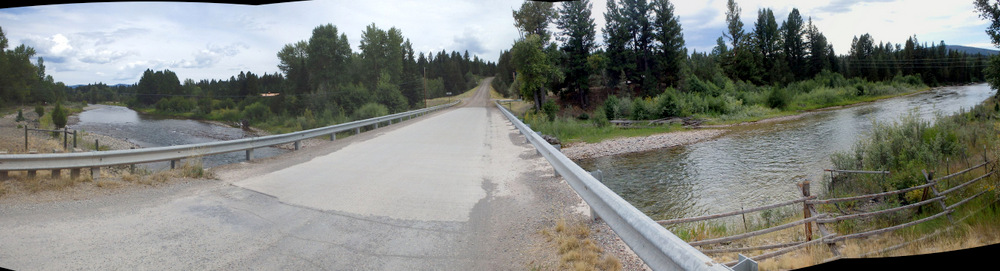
760,164
152,131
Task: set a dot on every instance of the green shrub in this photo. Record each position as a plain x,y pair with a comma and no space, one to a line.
256,112
59,116
550,108
610,107
40,110
778,98
370,110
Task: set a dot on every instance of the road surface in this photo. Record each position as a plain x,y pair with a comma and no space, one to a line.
454,190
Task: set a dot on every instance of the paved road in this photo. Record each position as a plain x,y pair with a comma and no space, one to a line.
455,190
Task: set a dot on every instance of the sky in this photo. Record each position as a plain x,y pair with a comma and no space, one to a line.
114,42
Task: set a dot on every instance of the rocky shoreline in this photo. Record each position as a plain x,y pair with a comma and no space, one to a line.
625,145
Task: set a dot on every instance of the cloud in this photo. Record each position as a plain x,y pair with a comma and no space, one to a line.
103,56
469,41
841,6
211,55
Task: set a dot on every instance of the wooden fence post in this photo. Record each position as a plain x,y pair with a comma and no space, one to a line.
936,194
805,209
822,227
927,177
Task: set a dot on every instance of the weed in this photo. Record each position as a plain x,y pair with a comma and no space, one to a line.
576,250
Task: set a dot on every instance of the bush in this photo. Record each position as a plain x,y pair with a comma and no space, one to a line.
550,108
256,112
59,116
643,109
668,103
370,110
40,110
610,106
20,115
778,98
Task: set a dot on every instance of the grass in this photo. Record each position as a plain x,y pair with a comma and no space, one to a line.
576,250
110,178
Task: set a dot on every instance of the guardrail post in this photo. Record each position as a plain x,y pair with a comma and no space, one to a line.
298,144
74,173
599,175
333,136
357,130
173,164
31,174
4,175
95,173
56,173
249,154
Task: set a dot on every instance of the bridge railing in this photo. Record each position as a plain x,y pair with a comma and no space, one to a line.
654,244
97,159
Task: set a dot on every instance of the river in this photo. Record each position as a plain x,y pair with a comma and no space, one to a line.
153,131
760,164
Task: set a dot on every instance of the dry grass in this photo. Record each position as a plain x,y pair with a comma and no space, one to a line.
575,248
982,228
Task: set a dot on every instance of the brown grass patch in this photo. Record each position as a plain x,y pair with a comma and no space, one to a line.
575,248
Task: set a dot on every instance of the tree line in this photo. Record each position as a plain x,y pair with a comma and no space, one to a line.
321,81
644,55
24,82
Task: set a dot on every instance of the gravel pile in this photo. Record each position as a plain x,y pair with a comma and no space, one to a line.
638,144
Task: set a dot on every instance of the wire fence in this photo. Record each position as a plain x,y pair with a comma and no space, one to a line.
935,191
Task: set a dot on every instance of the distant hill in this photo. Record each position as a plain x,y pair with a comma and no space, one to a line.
971,50
115,85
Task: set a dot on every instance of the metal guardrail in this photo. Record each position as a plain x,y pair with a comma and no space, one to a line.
97,159
654,244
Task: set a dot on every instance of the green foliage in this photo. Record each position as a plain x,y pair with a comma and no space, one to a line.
550,108
533,68
256,112
40,111
20,115
778,98
176,104
59,116
371,110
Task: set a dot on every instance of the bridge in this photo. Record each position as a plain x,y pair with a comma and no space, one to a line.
462,188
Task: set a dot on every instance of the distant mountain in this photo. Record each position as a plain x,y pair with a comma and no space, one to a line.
971,50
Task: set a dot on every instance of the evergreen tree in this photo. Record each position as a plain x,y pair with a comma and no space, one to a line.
577,37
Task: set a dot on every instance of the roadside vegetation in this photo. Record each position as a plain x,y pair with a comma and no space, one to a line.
576,250
111,178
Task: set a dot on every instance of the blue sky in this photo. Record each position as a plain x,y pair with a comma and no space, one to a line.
114,42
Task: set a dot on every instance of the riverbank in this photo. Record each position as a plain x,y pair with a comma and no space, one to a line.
632,144
12,136
623,145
